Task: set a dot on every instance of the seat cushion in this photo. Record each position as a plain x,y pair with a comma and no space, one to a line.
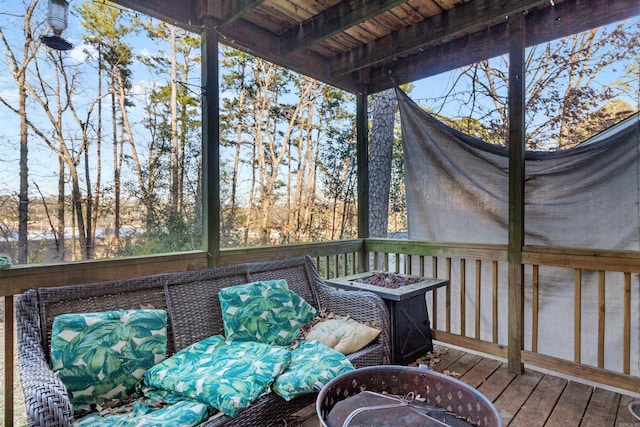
183,413
228,375
311,363
101,357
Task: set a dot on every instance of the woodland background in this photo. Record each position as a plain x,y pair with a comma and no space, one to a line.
100,147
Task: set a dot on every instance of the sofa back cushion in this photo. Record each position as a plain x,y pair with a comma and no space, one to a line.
145,292
298,272
266,312
192,296
101,357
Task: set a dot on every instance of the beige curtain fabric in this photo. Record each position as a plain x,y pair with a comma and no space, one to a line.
586,197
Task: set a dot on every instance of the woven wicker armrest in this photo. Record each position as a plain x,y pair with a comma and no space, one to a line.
46,398
361,306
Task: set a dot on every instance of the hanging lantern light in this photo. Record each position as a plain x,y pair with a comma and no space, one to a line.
57,19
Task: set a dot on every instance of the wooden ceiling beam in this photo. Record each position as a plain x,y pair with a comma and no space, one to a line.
181,14
332,21
257,41
458,21
567,18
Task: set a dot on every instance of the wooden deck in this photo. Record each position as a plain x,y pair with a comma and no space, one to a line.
529,400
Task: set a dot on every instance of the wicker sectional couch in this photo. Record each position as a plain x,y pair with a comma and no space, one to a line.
193,311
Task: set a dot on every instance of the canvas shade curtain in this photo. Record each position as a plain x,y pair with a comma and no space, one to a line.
586,197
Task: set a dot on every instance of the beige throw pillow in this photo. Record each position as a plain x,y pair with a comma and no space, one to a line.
344,335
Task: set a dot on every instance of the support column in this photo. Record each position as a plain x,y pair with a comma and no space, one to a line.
362,137
517,32
210,143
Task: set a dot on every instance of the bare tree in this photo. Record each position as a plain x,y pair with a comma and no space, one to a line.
18,64
562,85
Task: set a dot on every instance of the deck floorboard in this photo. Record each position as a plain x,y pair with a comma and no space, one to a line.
533,399
538,407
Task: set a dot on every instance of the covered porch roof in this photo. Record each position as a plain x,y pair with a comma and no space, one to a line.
354,44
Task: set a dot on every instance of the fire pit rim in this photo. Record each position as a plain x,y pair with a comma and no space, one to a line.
482,399
395,294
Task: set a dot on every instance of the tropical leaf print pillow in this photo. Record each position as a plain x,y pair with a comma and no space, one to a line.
100,357
185,413
311,362
227,375
267,312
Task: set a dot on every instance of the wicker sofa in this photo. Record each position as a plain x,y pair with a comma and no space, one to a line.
193,311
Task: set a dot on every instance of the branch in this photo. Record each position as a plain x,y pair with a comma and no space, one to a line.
46,209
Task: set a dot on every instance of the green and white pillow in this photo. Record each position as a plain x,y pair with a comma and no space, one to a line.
311,362
227,375
100,357
266,312
185,413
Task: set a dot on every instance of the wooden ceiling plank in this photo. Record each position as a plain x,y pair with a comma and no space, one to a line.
426,8
567,18
391,21
462,19
332,21
227,11
279,21
297,11
408,14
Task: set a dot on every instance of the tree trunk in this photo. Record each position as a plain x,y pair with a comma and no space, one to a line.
116,166
61,210
175,149
23,196
380,154
98,188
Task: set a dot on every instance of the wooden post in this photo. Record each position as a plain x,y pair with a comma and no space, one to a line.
210,143
517,35
362,139
9,390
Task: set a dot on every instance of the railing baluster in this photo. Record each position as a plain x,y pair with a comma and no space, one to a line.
535,297
448,296
478,296
494,303
327,267
626,350
434,294
463,297
577,314
601,317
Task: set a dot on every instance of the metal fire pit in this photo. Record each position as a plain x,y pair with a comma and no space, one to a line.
441,391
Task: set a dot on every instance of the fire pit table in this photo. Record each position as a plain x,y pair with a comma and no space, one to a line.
402,396
404,296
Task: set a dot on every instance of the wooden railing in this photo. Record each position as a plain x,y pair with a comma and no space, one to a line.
478,273
471,312
332,258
